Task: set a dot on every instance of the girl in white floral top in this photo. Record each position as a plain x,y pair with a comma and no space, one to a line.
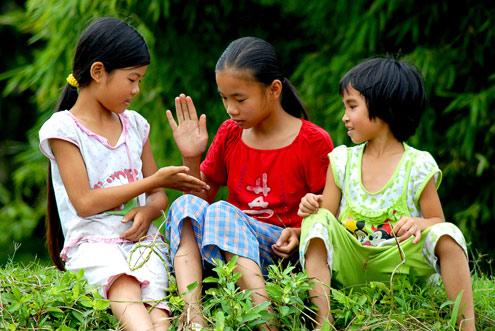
104,188
380,214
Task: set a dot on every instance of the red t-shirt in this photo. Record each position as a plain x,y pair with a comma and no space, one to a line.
269,184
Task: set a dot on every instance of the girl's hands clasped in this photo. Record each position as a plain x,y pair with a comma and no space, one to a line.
408,226
190,133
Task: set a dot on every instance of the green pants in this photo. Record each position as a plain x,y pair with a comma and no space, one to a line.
353,264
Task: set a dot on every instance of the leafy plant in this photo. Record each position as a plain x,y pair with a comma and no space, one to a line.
288,291
37,297
455,59
42,298
227,306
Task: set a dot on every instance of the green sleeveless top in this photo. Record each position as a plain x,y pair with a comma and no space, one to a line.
369,216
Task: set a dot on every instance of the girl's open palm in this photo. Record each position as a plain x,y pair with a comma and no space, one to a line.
190,133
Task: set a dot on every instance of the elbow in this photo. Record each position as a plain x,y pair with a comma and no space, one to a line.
84,208
83,213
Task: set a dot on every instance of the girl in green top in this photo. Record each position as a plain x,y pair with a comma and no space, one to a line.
380,193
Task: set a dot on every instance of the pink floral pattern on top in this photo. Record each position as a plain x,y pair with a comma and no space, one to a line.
107,166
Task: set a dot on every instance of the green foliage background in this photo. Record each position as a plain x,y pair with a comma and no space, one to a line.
450,42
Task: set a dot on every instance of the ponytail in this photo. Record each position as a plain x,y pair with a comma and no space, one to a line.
67,98
291,102
53,227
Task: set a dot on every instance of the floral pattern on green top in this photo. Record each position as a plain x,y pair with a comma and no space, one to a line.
370,216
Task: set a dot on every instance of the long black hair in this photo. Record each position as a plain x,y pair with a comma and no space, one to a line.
117,45
260,58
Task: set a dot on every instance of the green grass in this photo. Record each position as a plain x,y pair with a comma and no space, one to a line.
37,297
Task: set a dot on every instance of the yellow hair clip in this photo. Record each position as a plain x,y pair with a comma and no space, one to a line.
72,81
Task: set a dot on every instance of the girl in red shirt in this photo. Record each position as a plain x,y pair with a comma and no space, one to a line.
267,154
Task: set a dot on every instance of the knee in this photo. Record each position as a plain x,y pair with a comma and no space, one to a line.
186,200
220,205
124,286
184,205
316,250
221,208
316,244
447,245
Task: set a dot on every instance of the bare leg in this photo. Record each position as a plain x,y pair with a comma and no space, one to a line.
125,301
456,278
316,258
188,269
251,279
160,319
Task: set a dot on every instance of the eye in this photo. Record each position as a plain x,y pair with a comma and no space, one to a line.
241,100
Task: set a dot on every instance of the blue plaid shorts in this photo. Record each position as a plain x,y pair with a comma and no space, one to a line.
221,227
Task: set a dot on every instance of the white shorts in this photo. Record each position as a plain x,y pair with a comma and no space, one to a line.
103,263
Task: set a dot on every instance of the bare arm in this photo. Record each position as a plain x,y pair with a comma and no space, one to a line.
331,194
432,212
156,201
88,201
430,205
156,197
330,199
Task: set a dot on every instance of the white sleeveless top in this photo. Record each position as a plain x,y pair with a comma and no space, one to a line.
106,165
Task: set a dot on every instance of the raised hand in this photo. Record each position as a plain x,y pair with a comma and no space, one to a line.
309,204
176,177
190,133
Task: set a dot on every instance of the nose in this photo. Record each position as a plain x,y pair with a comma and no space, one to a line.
345,118
231,109
135,90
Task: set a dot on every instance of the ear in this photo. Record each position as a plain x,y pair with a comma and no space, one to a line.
276,88
97,71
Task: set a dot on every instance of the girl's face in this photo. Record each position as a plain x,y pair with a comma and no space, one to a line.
119,87
246,101
356,117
